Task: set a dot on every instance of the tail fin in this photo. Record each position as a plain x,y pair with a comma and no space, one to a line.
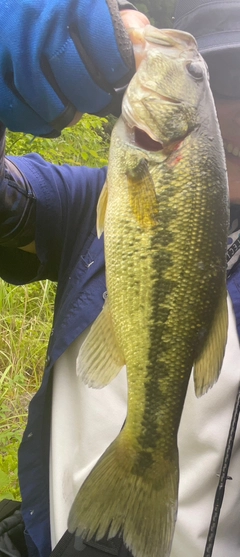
140,507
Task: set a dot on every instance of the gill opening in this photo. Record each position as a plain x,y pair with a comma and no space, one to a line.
144,141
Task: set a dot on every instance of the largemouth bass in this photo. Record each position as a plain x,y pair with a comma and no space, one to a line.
164,210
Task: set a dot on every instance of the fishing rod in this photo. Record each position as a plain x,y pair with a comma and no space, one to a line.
223,477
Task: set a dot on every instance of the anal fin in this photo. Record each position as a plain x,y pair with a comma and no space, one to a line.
208,365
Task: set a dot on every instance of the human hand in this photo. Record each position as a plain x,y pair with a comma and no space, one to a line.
132,20
58,61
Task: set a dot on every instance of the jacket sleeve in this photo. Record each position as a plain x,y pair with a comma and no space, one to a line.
17,203
58,57
53,205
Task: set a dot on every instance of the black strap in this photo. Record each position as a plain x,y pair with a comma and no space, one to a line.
12,540
8,507
70,546
222,479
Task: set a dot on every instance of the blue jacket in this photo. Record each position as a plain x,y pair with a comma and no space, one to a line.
68,252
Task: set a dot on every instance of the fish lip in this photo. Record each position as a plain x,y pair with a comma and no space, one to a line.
170,38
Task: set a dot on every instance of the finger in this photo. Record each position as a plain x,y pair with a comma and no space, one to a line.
134,19
134,23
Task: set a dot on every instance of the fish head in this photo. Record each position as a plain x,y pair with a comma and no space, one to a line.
169,94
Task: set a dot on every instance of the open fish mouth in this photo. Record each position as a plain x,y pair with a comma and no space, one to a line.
139,133
139,138
143,140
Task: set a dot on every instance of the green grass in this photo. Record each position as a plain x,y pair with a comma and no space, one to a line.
87,143
25,324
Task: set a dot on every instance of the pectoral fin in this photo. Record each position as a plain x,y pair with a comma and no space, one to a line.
142,195
101,209
100,358
208,365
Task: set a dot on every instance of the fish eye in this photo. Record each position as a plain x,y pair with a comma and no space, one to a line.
195,70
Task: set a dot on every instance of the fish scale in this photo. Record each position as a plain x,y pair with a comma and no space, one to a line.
165,217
